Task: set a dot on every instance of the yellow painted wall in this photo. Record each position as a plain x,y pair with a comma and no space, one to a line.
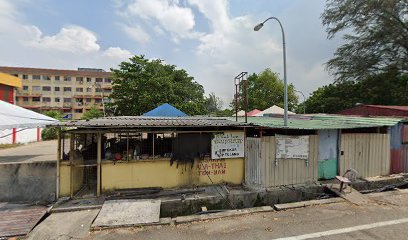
10,80
64,183
159,173
65,176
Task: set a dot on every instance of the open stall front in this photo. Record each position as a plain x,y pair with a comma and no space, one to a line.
94,161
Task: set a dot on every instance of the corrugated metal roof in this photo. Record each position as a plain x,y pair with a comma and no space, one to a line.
142,121
322,122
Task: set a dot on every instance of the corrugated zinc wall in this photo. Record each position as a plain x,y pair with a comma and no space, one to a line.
367,153
399,148
286,171
253,164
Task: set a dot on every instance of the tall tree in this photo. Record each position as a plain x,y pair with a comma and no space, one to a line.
140,85
266,89
381,89
376,37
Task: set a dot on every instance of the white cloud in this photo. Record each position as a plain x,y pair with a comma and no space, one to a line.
137,33
75,39
72,46
117,52
167,14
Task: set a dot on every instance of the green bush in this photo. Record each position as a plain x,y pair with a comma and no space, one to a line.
50,133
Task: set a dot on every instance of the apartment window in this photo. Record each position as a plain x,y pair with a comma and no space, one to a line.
108,80
67,89
88,79
67,100
36,99
88,89
57,89
107,90
57,99
25,99
25,88
46,88
45,77
57,78
98,100
98,80
25,76
36,77
79,89
88,100
67,78
36,88
79,79
46,99
98,89
78,110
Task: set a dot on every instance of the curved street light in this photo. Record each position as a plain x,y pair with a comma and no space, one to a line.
257,28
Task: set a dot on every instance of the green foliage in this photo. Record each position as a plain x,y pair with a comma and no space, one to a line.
384,89
376,39
93,112
266,89
141,85
54,114
50,133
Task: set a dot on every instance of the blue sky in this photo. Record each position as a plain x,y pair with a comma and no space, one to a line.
212,39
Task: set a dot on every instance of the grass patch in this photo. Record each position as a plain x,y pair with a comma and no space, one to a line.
4,146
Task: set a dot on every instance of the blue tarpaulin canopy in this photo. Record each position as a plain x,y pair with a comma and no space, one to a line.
165,110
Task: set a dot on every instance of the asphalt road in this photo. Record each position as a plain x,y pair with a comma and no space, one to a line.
385,217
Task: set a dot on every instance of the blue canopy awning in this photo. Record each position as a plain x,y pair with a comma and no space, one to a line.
165,110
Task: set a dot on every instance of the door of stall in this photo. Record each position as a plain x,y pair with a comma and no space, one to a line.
328,154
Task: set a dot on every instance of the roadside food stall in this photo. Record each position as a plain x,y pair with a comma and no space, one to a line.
106,154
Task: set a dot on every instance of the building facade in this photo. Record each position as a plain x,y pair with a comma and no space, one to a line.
8,87
73,92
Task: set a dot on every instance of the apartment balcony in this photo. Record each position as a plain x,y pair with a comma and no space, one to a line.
28,94
88,96
107,86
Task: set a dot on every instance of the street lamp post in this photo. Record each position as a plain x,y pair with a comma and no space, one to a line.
257,28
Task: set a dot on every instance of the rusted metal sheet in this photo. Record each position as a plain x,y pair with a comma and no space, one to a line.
405,134
142,121
376,110
399,148
399,160
19,222
367,153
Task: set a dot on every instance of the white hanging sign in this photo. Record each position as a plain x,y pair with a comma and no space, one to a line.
227,145
292,147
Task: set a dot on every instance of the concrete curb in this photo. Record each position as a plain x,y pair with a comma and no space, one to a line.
162,221
286,206
228,213
72,209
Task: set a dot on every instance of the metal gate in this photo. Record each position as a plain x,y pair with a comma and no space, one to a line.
367,153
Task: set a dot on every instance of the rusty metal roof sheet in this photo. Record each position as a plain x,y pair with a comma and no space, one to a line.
141,121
